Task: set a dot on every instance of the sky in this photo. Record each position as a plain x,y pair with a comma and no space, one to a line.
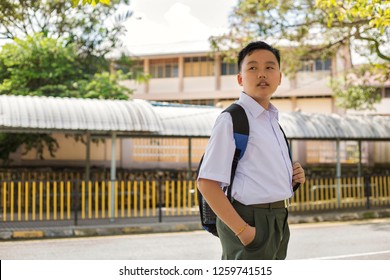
175,26
159,24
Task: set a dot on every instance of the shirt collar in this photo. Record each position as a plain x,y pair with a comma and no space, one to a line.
254,108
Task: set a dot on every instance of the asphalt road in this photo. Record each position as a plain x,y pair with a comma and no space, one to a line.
364,240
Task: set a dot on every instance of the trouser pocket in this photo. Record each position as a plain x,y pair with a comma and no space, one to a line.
271,239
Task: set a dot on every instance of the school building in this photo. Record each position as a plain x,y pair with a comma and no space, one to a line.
192,75
137,157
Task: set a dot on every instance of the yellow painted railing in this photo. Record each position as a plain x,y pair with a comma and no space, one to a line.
32,201
336,193
42,200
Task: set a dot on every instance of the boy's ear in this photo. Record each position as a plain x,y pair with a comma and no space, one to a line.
239,79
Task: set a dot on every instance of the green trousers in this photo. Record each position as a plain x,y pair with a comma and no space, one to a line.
271,240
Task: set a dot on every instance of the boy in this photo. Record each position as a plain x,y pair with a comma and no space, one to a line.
255,225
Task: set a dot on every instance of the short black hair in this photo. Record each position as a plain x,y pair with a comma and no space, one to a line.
258,45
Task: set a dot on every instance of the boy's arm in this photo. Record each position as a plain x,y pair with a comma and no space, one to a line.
222,207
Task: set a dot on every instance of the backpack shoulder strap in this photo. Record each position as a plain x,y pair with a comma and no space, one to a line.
240,127
241,136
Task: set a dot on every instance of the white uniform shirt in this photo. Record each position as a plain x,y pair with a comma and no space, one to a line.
264,173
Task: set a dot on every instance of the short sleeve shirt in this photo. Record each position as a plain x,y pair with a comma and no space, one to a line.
264,173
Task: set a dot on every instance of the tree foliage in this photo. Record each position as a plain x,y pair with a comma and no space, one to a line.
11,142
57,50
91,2
44,66
367,21
95,31
355,90
39,66
307,29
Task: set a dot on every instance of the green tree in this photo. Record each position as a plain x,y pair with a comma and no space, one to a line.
39,66
306,29
369,23
94,31
44,66
92,2
48,67
11,142
58,50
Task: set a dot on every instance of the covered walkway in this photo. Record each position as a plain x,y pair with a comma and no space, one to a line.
138,118
30,114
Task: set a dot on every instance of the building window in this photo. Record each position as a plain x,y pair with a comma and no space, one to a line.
133,68
137,70
322,65
229,68
386,92
307,66
198,66
204,102
164,68
316,65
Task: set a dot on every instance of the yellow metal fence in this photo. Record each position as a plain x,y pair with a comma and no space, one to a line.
338,193
53,200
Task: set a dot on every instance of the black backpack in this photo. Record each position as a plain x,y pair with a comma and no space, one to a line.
241,135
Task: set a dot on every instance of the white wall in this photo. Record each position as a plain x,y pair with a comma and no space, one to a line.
317,105
230,83
283,105
137,87
194,84
164,85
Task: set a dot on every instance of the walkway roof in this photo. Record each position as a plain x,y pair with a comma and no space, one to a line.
332,126
28,114
51,114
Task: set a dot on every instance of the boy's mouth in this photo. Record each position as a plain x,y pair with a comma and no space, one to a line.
262,84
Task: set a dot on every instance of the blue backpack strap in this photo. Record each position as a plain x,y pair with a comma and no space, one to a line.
240,127
241,136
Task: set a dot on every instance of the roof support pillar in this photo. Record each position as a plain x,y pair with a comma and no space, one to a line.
181,74
360,159
88,157
217,72
359,181
189,173
113,176
338,172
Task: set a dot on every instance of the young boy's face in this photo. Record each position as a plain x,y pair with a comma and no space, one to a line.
260,76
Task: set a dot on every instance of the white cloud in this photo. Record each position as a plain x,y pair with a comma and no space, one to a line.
170,21
183,25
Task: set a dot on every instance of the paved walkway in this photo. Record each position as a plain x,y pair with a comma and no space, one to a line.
60,229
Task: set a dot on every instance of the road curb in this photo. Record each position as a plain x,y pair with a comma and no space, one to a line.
338,217
28,234
101,230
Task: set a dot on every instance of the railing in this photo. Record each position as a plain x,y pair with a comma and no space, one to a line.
56,200
337,193
100,199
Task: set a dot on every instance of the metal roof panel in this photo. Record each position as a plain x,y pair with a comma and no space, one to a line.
47,114
77,114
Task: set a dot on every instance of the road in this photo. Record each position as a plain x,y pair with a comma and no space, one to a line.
364,240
